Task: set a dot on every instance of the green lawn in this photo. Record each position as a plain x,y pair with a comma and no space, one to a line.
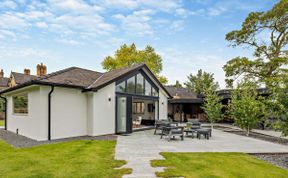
68,159
2,122
216,165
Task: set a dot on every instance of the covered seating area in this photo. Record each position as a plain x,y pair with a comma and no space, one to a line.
184,105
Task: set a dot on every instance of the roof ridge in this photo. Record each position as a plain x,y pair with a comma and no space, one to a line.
23,74
96,80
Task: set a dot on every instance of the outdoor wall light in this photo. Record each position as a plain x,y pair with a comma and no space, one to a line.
162,103
109,99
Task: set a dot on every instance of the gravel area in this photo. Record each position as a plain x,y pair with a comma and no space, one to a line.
261,137
19,141
278,159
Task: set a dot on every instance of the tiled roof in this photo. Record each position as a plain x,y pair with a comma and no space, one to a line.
76,77
73,76
4,82
181,93
22,78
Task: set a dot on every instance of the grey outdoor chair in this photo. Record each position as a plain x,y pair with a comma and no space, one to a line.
159,125
172,130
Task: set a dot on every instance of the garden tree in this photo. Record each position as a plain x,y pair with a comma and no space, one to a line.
129,55
246,107
277,103
178,84
201,81
270,52
212,106
2,105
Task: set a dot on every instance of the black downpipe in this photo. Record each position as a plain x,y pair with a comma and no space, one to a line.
49,112
5,99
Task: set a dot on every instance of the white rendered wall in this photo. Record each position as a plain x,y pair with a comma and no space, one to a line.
68,113
163,106
104,111
34,124
90,113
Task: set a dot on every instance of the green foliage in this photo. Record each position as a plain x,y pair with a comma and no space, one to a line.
213,106
277,103
129,55
2,105
269,66
201,81
246,107
62,160
270,57
178,84
216,165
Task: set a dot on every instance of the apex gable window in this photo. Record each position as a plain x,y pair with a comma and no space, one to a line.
138,84
20,104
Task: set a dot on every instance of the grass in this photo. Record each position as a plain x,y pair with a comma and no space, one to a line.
216,165
2,122
68,160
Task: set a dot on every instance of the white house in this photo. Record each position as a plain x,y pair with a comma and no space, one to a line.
78,102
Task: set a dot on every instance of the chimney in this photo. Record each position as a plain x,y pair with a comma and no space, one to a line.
41,70
1,73
27,71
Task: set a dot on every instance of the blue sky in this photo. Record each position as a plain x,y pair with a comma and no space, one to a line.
188,34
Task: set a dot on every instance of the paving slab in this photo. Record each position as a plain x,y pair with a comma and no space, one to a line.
139,148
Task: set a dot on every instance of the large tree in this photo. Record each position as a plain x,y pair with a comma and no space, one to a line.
128,55
266,33
201,81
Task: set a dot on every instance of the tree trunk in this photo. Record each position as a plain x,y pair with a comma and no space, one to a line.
247,132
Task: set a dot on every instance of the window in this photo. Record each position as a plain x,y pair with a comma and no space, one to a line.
121,87
138,108
20,104
154,92
140,84
147,88
137,84
131,85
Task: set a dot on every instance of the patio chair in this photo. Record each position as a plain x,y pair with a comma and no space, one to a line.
159,125
138,122
172,130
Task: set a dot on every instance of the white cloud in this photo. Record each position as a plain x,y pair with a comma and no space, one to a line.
41,25
137,22
69,42
161,5
186,62
8,4
74,6
10,21
177,25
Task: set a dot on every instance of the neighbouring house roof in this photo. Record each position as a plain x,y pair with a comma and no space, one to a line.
22,78
84,79
4,82
183,95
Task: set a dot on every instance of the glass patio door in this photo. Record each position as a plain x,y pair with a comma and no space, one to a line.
124,114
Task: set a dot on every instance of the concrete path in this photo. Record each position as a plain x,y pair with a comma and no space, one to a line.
140,148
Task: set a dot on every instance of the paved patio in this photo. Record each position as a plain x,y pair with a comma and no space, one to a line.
140,148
